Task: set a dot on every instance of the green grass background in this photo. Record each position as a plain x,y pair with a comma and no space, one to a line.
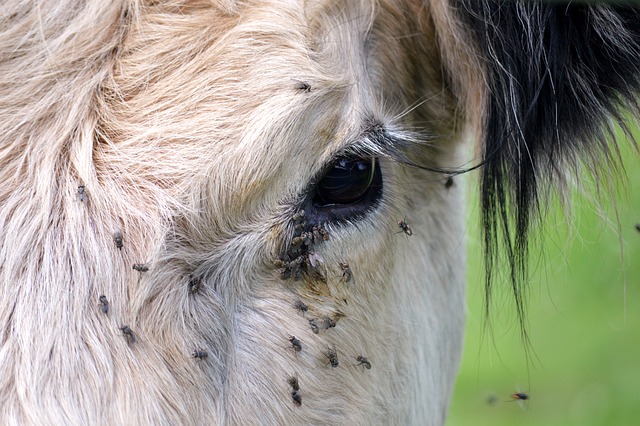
584,326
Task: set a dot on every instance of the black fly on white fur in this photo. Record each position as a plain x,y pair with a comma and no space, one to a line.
195,284
332,356
128,334
404,227
200,354
104,304
295,343
300,306
295,390
346,272
140,267
364,362
117,238
82,194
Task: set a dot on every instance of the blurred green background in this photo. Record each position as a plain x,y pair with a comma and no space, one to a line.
583,367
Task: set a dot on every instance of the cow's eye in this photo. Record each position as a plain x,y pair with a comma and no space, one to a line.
348,181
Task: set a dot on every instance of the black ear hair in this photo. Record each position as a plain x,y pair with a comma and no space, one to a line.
556,75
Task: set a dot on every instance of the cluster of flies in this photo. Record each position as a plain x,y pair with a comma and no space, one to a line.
194,286
316,325
295,390
322,324
300,258
331,354
103,302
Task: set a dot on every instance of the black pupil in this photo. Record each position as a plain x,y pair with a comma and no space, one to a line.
347,181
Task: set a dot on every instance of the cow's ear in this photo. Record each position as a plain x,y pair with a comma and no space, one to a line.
556,79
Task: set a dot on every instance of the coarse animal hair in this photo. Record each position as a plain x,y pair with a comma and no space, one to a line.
160,226
559,80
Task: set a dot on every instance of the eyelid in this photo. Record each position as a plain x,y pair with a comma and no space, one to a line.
383,141
364,145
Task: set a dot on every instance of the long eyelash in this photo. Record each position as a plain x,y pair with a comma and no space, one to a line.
401,146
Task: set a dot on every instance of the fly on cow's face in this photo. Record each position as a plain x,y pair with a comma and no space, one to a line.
295,390
195,284
404,227
128,334
364,362
293,382
297,398
200,354
82,194
449,182
303,86
117,238
104,304
292,269
346,272
314,326
332,356
328,322
300,306
140,267
298,216
295,343
298,220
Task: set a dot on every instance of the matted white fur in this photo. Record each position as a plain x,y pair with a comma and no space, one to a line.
185,124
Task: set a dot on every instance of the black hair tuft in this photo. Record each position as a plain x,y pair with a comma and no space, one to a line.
556,74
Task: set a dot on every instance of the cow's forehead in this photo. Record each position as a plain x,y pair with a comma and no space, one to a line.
260,98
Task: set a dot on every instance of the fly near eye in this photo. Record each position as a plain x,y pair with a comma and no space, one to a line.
347,181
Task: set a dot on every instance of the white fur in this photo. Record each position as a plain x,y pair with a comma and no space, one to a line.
184,125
